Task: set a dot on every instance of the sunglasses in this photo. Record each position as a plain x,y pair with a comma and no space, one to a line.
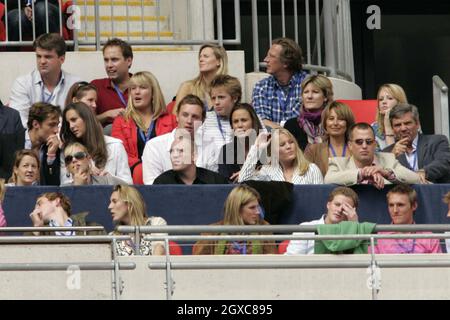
78,155
360,142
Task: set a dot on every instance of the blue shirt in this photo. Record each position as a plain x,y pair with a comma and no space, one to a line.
272,103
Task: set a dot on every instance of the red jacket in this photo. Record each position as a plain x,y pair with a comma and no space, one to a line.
127,132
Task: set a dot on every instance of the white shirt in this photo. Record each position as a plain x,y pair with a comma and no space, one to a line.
29,89
116,164
156,155
412,157
275,172
216,129
303,246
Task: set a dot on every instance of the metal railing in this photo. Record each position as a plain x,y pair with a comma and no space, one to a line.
373,264
144,22
331,24
112,265
440,107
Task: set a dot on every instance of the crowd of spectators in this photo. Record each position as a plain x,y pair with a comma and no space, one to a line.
119,131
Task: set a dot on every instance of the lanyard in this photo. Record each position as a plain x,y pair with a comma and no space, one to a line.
334,152
146,137
219,124
53,94
120,94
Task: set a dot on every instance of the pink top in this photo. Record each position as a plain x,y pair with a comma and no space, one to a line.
2,217
399,246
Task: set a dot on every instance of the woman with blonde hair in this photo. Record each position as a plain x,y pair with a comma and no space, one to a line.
388,96
26,169
145,118
242,207
287,160
337,117
212,61
127,207
317,93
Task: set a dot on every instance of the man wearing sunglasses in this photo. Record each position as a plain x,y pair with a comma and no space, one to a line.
365,166
79,164
428,155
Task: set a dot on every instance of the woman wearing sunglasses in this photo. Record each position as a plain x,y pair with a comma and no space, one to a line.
83,92
26,169
145,118
79,164
127,207
108,154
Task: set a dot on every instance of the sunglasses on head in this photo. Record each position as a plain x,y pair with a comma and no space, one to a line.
360,142
77,155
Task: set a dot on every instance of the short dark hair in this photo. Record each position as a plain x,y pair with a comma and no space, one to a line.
192,99
346,192
360,126
50,41
406,190
291,53
65,201
124,46
401,109
41,111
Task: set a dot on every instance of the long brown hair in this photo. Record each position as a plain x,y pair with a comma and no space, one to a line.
93,138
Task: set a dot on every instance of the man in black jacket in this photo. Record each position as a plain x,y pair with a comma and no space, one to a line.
12,138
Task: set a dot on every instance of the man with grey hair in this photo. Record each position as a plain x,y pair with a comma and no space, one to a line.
277,98
428,155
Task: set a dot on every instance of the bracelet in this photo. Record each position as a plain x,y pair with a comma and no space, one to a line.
389,135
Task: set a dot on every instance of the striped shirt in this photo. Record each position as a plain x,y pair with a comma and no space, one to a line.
271,102
275,172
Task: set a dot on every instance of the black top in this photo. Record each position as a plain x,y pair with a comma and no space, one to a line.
230,165
232,157
204,176
50,173
292,126
141,142
12,138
